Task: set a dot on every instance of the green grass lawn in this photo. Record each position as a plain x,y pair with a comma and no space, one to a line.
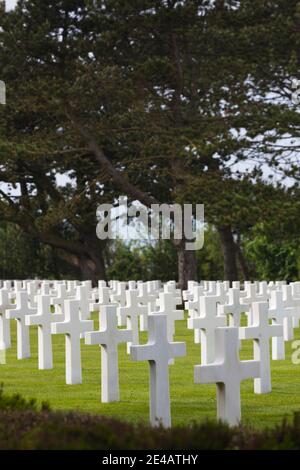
189,401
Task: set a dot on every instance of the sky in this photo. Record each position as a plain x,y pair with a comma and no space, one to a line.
10,4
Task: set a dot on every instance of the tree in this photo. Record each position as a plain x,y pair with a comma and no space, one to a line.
152,98
183,100
35,63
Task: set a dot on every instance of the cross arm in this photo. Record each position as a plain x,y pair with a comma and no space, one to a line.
196,322
178,349
87,325
249,369
12,313
211,373
277,330
145,352
60,328
95,337
31,320
248,332
124,335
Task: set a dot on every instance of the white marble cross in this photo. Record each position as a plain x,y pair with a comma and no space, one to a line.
71,288
158,351
5,304
193,307
208,321
261,332
82,295
236,285
131,285
119,297
219,293
211,288
263,291
189,293
292,311
248,297
249,293
73,326
7,285
227,372
32,291
234,308
149,300
167,305
103,298
45,288
226,285
133,310
19,312
296,297
58,300
277,313
109,337
88,285
43,319
102,284
170,288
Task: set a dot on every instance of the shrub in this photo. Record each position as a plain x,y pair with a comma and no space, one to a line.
25,425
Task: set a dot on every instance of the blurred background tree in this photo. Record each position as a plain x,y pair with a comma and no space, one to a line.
164,101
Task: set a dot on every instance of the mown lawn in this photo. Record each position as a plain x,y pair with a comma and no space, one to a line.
190,402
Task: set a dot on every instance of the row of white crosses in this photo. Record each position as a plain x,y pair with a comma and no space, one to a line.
71,318
150,306
220,344
23,301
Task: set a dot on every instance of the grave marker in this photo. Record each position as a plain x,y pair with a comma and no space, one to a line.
5,338
227,372
261,332
208,321
43,319
19,312
72,327
133,310
158,351
277,313
109,337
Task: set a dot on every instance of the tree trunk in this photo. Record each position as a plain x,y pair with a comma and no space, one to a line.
85,254
92,269
91,262
91,265
187,265
229,253
242,263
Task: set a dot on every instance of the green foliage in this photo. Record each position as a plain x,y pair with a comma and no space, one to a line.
159,260
209,258
142,261
123,262
16,402
24,427
273,257
23,256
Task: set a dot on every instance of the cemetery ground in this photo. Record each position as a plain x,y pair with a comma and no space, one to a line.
189,402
